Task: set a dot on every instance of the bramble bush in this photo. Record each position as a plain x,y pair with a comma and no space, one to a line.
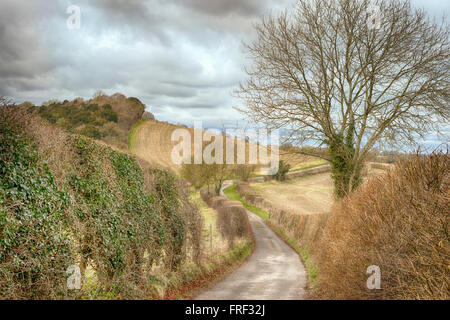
91,117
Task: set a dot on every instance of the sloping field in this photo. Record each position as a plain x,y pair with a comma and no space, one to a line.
151,141
311,194
300,161
308,195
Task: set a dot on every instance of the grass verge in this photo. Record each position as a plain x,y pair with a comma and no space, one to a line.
232,194
133,133
304,253
309,167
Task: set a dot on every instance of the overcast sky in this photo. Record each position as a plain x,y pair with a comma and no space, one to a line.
182,58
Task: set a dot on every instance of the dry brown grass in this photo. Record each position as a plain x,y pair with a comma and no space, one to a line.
308,195
151,141
232,219
398,221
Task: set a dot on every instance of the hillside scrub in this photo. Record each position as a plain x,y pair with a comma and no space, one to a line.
107,212
283,168
398,221
107,118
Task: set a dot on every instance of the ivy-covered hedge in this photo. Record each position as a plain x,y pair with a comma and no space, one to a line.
120,221
34,242
98,215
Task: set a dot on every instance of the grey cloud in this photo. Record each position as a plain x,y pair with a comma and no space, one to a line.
133,17
22,54
182,58
221,8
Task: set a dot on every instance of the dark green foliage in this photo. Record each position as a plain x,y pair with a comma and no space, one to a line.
174,228
120,219
147,230
91,132
119,222
34,246
345,172
71,116
283,168
109,115
98,209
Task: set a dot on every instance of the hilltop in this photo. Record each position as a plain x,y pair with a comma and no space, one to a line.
122,122
107,118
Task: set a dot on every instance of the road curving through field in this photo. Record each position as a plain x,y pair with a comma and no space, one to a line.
273,272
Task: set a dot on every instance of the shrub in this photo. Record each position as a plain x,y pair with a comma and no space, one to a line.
397,221
109,115
204,174
71,115
283,168
195,174
244,171
174,228
232,219
91,132
93,107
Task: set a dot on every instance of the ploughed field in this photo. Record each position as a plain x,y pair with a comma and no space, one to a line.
151,140
306,195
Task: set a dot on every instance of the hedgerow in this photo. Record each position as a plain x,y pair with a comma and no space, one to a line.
34,245
397,221
170,203
105,212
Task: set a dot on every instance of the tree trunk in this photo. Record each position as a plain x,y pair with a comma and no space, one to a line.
345,167
346,177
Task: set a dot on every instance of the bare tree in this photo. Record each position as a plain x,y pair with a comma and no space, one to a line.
339,79
208,175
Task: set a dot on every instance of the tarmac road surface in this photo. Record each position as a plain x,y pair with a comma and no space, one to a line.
273,272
